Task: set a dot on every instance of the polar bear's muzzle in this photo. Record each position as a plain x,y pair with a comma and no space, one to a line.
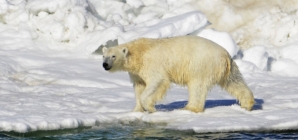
107,63
106,66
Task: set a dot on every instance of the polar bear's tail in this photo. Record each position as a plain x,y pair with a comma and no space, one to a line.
234,83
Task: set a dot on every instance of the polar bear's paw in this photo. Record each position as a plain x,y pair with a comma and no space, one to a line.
193,109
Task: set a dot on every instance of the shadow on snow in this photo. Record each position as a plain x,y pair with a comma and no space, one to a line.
208,104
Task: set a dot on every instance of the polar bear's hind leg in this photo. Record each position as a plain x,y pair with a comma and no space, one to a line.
236,86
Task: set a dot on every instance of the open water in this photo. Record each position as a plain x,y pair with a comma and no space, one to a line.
140,133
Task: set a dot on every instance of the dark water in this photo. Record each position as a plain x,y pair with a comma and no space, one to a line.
148,133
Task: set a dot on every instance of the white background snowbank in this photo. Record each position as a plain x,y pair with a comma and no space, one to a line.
221,38
49,78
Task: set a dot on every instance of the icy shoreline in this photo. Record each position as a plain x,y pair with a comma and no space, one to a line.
47,98
50,80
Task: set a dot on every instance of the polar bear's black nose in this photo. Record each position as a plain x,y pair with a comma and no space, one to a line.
105,65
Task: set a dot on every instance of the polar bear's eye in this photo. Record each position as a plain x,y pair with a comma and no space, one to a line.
114,56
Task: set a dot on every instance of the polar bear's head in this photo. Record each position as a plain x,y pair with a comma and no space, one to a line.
114,58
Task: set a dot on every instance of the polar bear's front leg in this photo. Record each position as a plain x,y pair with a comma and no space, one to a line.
139,88
147,97
146,101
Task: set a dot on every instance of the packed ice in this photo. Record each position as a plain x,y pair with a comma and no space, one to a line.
51,76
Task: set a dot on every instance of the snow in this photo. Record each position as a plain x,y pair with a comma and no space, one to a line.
221,38
50,78
258,56
175,26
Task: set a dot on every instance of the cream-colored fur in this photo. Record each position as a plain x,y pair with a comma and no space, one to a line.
195,62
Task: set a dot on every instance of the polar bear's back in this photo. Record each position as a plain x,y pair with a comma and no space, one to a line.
182,58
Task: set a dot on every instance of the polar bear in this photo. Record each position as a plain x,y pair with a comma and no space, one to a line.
195,62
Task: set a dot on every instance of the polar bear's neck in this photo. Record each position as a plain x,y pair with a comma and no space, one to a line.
136,52
131,68
133,63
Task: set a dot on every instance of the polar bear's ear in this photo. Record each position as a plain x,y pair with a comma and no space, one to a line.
104,49
125,51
